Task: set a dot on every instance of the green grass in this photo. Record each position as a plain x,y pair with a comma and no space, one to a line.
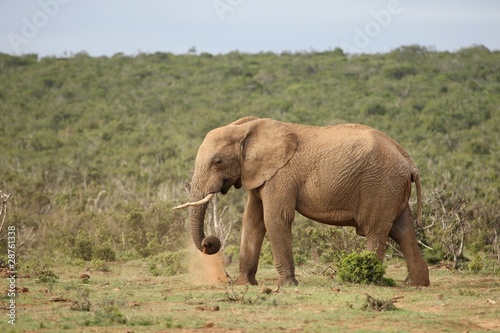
129,298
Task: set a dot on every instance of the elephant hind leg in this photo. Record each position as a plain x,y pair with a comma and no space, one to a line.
403,232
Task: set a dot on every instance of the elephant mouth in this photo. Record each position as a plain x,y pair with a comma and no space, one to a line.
226,185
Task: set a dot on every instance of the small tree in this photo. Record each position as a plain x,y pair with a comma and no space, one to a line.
450,225
216,226
3,209
4,198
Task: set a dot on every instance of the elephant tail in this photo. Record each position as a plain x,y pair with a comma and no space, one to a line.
416,179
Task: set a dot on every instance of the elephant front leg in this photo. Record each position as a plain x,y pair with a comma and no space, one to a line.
279,230
281,246
252,235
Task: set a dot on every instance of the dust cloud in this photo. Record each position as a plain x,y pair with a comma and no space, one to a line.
205,269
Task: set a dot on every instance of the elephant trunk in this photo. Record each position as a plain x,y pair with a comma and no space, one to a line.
207,245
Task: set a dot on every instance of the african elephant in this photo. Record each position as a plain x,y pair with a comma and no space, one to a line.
346,175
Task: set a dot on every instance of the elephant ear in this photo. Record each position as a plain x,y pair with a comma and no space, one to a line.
267,146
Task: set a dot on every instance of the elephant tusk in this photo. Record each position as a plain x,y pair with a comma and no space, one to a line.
196,203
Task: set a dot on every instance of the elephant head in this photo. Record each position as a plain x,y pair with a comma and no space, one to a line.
247,153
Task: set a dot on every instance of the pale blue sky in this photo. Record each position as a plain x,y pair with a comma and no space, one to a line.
106,27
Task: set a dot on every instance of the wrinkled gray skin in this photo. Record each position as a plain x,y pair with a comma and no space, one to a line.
347,175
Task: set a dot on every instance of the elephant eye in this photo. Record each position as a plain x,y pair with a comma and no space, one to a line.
217,161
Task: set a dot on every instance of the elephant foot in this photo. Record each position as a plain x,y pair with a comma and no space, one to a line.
245,279
418,274
419,281
287,281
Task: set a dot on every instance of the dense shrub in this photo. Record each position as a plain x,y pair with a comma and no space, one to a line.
361,268
154,230
169,263
399,72
84,246
329,244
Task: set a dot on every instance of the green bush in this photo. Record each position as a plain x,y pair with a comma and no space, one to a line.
45,275
169,263
399,72
300,257
433,256
154,230
83,247
108,313
105,252
476,265
330,244
99,265
361,268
